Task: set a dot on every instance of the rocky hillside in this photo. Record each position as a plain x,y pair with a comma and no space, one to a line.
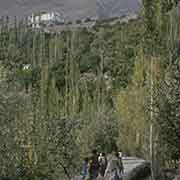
109,8
72,9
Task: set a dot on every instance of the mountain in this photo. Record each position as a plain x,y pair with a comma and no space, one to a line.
110,8
72,9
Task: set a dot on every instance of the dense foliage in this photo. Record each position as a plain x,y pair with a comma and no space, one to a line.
63,87
62,94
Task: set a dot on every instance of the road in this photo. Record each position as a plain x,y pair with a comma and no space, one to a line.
130,163
132,168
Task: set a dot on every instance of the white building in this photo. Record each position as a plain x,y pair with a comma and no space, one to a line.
45,19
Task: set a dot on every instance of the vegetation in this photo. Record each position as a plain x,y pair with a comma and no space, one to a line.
63,94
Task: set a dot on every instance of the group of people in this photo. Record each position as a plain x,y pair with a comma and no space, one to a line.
102,167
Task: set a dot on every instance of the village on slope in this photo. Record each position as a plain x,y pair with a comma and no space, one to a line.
56,21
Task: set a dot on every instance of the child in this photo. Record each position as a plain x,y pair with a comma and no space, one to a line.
85,168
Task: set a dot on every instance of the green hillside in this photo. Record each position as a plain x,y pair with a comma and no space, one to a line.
63,94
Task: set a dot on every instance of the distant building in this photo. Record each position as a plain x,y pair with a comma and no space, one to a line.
38,20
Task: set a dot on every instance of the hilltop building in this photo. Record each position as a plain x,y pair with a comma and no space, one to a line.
37,20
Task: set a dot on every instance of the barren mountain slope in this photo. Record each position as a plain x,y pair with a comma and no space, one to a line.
72,9
109,8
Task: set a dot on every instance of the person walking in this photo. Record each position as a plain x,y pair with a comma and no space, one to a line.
84,172
102,164
120,156
114,167
93,167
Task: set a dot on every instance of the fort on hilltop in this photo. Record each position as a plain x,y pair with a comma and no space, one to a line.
43,18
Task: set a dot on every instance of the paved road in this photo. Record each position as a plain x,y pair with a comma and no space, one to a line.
130,164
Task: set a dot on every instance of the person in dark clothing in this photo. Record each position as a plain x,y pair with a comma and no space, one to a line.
93,168
102,163
119,156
